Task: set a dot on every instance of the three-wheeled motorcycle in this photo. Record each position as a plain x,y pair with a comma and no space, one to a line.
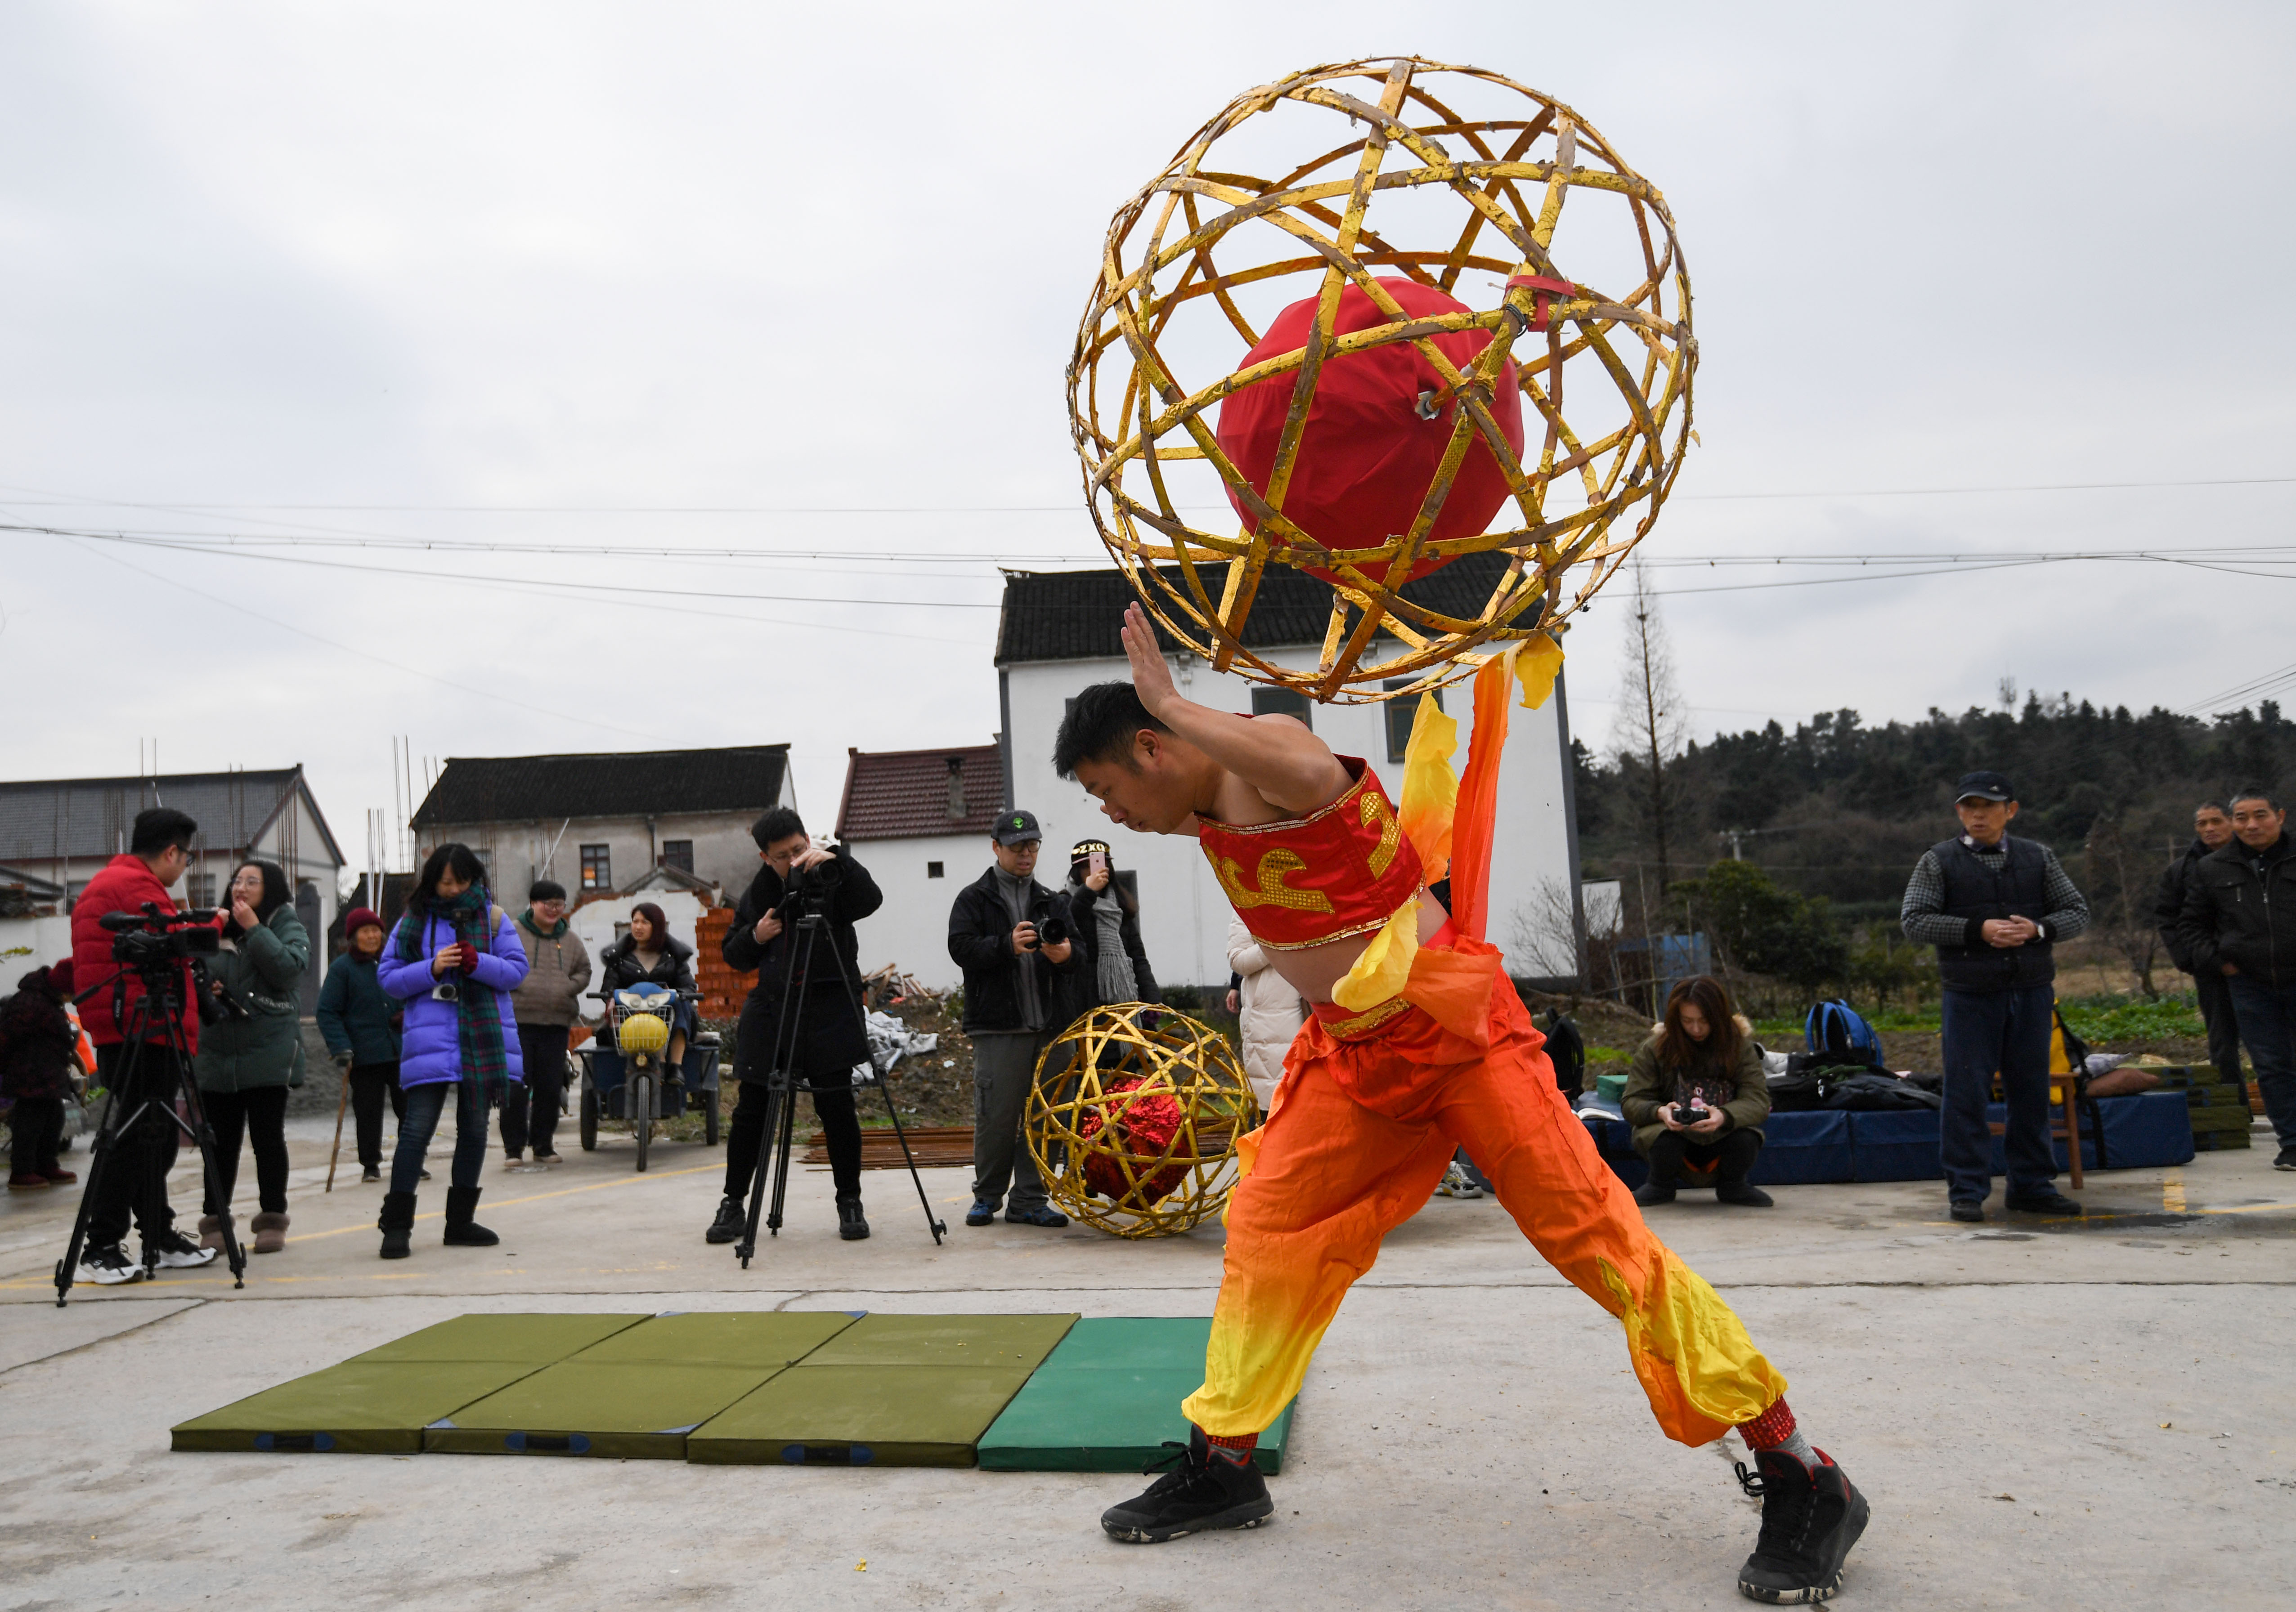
626,1073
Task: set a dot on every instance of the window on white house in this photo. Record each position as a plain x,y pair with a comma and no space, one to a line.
932,869
597,868
199,890
1400,713
1281,702
677,854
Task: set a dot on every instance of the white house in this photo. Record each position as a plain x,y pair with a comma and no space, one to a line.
919,821
61,832
1059,633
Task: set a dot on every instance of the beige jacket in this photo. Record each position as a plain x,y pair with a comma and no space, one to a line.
557,970
1271,1015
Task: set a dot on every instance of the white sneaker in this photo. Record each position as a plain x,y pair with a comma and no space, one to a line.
1457,1184
106,1267
171,1250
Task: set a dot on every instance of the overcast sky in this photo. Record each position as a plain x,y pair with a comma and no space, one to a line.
338,270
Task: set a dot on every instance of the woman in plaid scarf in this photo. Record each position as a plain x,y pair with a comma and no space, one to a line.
454,960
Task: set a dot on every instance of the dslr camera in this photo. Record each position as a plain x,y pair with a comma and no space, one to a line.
811,888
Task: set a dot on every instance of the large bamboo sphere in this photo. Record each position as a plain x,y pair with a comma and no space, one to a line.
1535,257
1134,1128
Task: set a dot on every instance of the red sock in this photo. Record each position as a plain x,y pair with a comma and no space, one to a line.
1776,1430
1235,1449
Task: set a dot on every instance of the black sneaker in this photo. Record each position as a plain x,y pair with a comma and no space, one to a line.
983,1213
731,1222
1808,1524
851,1225
2051,1202
171,1250
1203,1492
1742,1195
2285,1159
1037,1215
107,1265
1652,1194
1969,1209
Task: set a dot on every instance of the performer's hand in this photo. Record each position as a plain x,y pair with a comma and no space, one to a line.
768,926
1152,678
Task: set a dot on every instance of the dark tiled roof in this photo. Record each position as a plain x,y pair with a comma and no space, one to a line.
904,794
628,783
94,816
1076,615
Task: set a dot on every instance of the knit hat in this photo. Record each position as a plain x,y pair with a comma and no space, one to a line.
358,918
59,978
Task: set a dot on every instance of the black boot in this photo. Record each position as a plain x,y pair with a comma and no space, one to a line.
1206,1490
461,1231
1739,1192
1659,1189
397,1224
1808,1524
731,1220
850,1226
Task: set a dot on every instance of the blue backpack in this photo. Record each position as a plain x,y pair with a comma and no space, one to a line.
1837,1034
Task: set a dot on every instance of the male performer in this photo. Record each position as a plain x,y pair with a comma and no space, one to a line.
1416,1047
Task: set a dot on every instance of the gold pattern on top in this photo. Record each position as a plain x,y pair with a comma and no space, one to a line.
1374,808
1271,891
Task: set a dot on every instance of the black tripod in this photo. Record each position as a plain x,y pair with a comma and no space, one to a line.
163,987
781,1117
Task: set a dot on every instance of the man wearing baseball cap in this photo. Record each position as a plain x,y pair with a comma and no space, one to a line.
1995,908
1010,936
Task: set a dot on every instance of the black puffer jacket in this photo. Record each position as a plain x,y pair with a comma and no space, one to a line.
36,1041
980,943
2240,908
828,1039
620,966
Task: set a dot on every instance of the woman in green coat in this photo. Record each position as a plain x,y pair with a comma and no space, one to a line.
248,1059
1697,1096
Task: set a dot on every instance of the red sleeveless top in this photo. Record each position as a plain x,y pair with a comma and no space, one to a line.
1340,871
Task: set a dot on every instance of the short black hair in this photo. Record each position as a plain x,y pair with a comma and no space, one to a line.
2212,805
545,889
1099,726
159,828
2254,791
777,824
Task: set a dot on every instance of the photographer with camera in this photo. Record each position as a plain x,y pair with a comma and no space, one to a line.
455,961
798,877
135,1182
1010,936
249,1059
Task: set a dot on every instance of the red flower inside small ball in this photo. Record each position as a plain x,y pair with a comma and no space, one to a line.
1142,1123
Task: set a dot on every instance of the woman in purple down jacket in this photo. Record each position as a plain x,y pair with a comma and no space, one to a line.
454,960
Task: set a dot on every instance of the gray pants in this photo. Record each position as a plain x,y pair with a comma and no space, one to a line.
1004,1067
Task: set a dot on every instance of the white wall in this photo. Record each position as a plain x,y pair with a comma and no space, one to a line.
1183,914
44,940
911,929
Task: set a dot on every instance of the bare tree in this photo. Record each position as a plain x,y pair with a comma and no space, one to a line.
1543,930
2122,879
1652,721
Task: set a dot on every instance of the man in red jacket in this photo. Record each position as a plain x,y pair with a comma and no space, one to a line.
135,1180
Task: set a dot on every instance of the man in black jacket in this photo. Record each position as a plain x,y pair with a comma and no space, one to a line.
2240,923
830,1039
1008,933
2211,830
1995,908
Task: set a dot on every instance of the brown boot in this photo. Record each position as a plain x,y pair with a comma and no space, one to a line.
270,1232
210,1231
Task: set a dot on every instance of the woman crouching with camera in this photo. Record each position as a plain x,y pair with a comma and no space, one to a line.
454,960
1696,1097
248,1059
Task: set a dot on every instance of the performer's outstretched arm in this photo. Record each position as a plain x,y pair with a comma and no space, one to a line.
1279,756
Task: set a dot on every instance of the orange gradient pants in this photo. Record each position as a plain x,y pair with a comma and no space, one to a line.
1360,1134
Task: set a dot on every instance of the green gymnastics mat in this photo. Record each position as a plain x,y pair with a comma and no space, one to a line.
637,1394
378,1403
1109,1397
890,1390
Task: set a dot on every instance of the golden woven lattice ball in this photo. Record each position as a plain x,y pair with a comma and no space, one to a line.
1534,259
1134,1128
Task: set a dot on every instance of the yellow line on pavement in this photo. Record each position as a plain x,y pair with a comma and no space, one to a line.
2172,1192
619,1181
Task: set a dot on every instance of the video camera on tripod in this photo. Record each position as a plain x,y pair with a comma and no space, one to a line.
160,947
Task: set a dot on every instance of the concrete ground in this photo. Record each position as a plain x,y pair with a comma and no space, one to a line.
2050,1414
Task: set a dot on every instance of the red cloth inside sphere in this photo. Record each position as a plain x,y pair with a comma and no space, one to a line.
1144,1123
1365,456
